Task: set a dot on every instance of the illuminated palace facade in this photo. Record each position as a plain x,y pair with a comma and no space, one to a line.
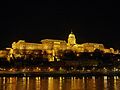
52,46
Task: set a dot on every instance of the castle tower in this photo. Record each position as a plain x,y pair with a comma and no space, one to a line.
71,39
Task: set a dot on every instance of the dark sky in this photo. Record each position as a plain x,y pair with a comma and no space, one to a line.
91,21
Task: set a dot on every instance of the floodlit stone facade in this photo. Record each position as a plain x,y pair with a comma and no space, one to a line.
52,46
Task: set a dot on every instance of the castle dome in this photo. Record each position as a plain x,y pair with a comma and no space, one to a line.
71,35
71,39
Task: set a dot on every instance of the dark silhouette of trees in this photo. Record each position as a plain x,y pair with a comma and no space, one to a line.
69,55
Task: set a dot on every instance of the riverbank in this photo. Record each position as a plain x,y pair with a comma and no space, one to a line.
57,74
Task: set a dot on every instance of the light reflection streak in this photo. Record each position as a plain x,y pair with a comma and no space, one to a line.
37,83
50,83
93,77
28,83
83,81
115,78
105,82
61,80
10,82
3,80
24,82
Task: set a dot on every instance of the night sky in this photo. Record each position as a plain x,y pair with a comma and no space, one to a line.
91,21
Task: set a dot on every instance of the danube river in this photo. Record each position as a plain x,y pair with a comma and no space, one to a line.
60,83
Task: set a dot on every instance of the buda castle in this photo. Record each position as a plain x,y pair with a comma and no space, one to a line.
52,46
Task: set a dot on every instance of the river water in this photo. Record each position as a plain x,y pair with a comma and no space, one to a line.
60,83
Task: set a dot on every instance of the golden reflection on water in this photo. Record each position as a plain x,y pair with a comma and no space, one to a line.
37,83
60,83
